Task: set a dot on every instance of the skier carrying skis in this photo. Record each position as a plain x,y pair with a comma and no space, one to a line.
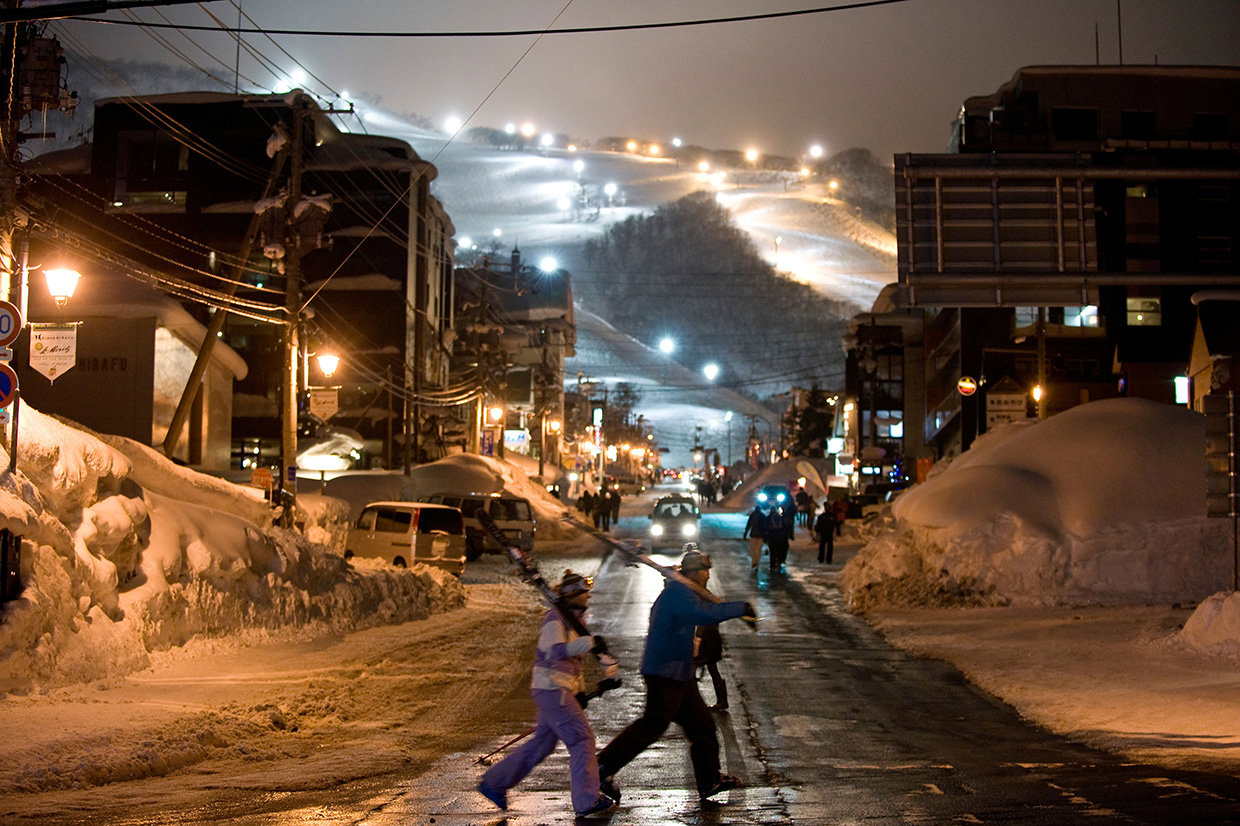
555,683
671,691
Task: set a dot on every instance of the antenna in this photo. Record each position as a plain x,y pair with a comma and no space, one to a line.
1119,32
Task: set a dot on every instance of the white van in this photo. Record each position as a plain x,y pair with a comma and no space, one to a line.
402,533
512,514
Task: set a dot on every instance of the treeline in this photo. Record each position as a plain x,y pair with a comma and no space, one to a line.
687,271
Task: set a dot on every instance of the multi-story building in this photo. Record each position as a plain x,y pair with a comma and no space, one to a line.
1058,245
261,206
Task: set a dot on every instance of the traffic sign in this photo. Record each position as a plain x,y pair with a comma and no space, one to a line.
262,478
10,323
8,385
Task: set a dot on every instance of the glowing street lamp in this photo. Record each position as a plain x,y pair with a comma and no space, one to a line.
495,414
666,346
328,363
815,151
548,264
711,371
61,283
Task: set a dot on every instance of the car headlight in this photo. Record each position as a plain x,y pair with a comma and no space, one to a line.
656,530
779,497
688,529
761,497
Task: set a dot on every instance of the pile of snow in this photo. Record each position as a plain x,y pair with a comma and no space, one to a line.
1102,504
125,553
460,473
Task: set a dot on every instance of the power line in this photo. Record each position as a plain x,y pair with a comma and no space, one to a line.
746,18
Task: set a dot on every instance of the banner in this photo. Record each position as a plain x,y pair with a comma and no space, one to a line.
53,349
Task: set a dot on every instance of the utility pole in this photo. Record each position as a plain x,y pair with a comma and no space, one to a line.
292,303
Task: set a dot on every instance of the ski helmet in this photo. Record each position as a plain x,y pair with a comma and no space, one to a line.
573,583
694,560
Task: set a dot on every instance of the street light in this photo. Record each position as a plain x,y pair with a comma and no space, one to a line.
61,283
666,346
711,371
328,363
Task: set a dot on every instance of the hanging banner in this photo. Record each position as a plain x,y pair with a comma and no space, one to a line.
53,349
324,401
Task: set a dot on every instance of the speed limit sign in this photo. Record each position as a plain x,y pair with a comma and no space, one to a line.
10,323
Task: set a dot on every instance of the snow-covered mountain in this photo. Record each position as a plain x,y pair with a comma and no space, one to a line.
531,200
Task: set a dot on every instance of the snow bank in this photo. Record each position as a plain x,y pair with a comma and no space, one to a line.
126,553
459,473
1101,504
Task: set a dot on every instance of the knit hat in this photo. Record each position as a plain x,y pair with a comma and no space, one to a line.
573,583
694,560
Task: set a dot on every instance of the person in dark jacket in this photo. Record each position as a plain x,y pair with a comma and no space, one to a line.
754,533
824,529
778,524
708,648
671,691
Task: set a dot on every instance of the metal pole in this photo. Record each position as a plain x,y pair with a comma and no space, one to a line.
292,301
1231,474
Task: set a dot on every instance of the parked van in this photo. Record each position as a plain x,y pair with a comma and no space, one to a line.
402,533
512,514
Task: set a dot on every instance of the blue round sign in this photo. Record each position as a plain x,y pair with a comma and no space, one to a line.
8,385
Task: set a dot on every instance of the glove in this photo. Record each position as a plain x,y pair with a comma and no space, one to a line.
750,616
600,645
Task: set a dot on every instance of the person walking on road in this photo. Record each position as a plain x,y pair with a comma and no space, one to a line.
708,651
753,532
671,691
824,530
555,683
776,531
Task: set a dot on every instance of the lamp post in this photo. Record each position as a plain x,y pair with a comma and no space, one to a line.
61,283
666,346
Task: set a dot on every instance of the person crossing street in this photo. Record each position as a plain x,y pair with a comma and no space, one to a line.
671,691
555,685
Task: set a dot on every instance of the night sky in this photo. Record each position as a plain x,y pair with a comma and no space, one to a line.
889,78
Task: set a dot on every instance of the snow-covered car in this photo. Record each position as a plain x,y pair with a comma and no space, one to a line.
402,533
674,521
513,515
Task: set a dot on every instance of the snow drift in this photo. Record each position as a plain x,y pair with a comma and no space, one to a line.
1100,504
126,553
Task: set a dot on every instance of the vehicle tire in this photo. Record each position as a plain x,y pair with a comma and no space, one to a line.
399,562
472,551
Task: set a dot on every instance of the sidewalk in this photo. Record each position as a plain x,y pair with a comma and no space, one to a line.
1110,677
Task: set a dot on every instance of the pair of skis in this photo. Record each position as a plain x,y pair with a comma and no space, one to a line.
634,555
530,573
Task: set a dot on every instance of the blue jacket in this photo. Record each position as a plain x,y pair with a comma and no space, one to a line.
673,618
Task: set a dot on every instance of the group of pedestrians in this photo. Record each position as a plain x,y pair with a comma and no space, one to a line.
683,635
672,695
775,528
601,508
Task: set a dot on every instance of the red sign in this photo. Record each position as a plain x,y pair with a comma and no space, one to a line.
8,385
967,386
262,478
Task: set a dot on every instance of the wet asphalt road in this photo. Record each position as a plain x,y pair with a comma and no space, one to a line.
828,725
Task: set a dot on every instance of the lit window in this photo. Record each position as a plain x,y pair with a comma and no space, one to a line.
1144,311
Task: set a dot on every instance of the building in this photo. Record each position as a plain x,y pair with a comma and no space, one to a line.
309,238
1060,241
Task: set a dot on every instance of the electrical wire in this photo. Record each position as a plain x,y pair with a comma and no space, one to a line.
744,18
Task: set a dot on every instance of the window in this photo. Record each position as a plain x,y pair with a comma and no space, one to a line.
1144,311
1140,126
1072,124
393,521
151,168
439,519
1209,126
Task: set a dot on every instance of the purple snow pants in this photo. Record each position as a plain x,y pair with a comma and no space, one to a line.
560,717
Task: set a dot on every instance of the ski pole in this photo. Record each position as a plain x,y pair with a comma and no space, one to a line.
483,759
